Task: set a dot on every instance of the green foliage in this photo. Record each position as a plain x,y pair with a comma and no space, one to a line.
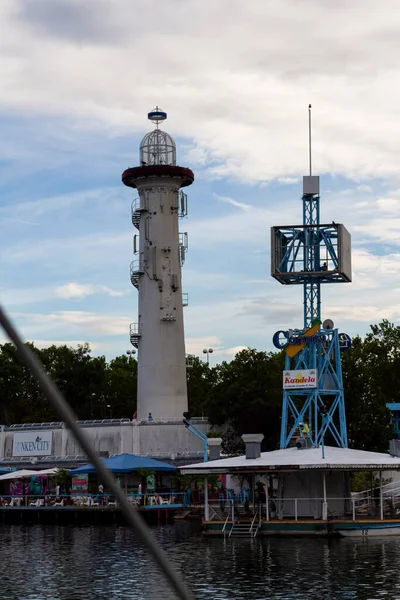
247,394
93,388
371,375
242,396
62,476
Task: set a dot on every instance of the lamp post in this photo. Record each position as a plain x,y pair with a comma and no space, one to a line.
92,397
208,351
131,353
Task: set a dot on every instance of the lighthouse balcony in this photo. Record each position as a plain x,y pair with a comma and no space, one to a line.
183,246
136,212
136,269
134,334
181,206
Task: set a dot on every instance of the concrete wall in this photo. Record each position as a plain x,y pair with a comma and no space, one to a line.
158,439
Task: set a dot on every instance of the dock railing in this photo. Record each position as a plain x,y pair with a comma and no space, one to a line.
86,500
350,508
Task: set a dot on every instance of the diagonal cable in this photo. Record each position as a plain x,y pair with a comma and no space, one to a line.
54,396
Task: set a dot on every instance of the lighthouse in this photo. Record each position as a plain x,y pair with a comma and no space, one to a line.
159,252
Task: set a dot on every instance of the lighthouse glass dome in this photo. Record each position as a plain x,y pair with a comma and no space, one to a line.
157,148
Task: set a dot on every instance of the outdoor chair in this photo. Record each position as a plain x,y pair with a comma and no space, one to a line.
15,502
38,502
60,503
164,500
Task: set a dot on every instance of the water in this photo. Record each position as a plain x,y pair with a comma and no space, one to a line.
93,563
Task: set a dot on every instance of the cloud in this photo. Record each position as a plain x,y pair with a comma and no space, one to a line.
52,51
79,290
229,353
196,345
71,20
71,119
70,322
235,203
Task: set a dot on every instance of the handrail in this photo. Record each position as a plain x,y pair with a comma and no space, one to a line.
251,526
225,524
388,487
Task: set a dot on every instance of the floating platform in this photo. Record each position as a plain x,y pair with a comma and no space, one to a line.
304,528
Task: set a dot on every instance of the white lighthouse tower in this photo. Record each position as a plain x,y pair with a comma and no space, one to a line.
160,251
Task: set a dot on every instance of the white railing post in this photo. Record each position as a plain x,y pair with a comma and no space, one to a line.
206,507
295,509
354,509
325,503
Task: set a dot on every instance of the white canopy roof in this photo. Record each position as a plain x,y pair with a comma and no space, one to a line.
18,474
292,459
27,473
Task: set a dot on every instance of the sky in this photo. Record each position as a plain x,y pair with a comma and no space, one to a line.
77,81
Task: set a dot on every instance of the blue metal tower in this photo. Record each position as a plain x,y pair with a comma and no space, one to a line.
311,254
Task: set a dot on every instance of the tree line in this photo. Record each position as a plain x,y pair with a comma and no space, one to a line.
242,396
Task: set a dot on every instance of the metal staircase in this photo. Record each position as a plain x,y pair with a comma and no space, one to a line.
134,334
136,212
245,529
136,270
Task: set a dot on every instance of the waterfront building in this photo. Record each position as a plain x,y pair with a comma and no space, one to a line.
52,444
307,490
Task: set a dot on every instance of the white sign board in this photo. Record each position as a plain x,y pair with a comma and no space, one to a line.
298,380
32,443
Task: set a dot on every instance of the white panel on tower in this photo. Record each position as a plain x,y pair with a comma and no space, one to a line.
311,185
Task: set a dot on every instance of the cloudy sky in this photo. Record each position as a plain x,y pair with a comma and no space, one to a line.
77,80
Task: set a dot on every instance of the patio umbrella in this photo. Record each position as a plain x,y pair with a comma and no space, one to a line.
126,463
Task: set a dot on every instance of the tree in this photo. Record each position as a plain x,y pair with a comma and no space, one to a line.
371,378
199,386
247,394
121,386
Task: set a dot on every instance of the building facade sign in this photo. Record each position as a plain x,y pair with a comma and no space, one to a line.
300,379
32,443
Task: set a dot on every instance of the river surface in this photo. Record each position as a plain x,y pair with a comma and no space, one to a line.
93,563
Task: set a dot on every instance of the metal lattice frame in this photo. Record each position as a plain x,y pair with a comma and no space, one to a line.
322,408
303,406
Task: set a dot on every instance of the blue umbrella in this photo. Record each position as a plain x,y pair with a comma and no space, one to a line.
125,463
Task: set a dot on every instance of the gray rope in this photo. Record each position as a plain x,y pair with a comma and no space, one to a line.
65,413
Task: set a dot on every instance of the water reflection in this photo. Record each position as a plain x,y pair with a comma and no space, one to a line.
93,563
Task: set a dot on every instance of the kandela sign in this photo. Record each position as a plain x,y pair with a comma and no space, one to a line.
300,379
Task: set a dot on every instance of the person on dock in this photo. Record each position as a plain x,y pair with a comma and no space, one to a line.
100,491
